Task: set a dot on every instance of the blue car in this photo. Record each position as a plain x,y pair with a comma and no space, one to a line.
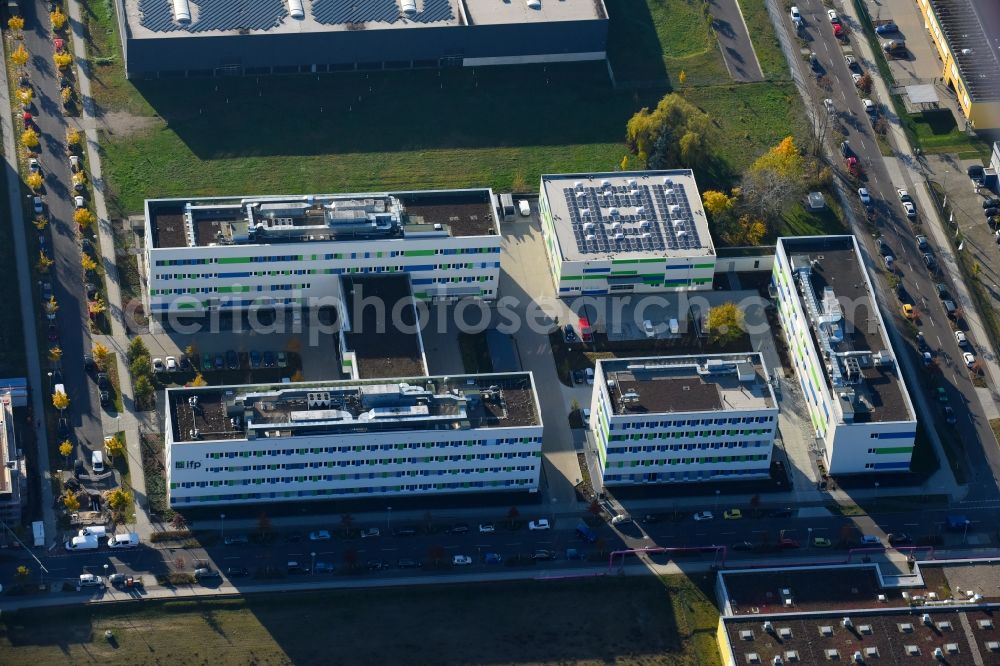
492,558
886,28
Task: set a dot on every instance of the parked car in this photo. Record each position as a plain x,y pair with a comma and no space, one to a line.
79,201
870,107
821,542
237,540
540,524
171,364
492,558
158,365
220,362
206,573
969,358
922,243
949,415
886,28
852,64
461,560
961,339
268,359
486,528
647,328
459,528
703,515
319,535
254,359
282,359
406,563
324,567
569,334
237,572
832,14
796,16
232,360
732,514
524,208
543,555
377,565
369,532
585,416
898,539
786,544
866,198
942,290
37,202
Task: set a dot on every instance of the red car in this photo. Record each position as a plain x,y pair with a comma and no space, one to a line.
788,543
838,30
853,166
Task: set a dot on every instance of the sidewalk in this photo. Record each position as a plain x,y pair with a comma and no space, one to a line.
28,316
118,341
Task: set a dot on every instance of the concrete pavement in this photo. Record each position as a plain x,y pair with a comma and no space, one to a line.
118,340
28,314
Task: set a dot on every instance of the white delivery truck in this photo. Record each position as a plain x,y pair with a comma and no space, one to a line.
94,530
83,543
130,540
38,531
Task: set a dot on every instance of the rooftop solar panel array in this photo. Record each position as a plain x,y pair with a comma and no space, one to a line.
208,15
616,219
333,12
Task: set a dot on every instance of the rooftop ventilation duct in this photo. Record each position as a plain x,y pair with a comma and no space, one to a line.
182,11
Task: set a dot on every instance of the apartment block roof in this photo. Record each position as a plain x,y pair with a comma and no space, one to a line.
971,28
671,384
639,214
831,283
405,404
270,220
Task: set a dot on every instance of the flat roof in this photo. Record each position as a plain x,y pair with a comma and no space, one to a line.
764,592
402,404
636,214
971,28
155,18
384,346
898,636
847,330
287,219
669,384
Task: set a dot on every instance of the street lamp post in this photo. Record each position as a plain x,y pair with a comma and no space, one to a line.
312,568
717,501
50,381
388,519
222,528
809,537
105,570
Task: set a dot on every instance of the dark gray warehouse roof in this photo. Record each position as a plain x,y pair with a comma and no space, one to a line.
972,28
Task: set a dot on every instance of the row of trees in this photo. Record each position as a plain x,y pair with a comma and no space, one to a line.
140,364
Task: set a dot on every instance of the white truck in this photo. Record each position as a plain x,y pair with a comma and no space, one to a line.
130,540
94,530
38,532
88,542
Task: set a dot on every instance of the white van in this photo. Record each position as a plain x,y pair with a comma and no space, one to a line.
97,461
675,327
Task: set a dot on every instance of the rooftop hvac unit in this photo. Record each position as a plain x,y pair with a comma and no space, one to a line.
639,210
647,235
591,237
768,627
605,183
677,223
613,212
667,181
584,212
926,619
587,226
858,659
939,654
578,185
631,182
674,209
616,226
580,193
619,237
777,661
633,193
846,623
644,224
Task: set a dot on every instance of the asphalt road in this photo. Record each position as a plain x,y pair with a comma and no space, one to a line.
151,559
982,458
67,278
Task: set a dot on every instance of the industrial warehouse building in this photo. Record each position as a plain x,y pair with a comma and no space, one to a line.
399,437
964,33
206,37
626,232
682,419
860,410
234,253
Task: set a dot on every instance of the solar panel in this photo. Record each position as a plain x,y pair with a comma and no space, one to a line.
157,15
631,218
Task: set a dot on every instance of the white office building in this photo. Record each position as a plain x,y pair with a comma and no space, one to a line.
682,419
626,232
238,252
860,409
352,439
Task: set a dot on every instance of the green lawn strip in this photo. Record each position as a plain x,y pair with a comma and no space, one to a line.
151,448
656,621
765,41
116,388
800,220
654,41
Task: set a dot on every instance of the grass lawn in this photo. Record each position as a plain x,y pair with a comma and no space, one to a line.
654,41
937,132
670,621
765,42
799,220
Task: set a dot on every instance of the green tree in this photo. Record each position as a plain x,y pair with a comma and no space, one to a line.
675,133
143,388
21,573
118,499
66,450
141,367
101,355
87,262
60,400
199,380
136,348
725,323
717,203
20,56
773,181
71,503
